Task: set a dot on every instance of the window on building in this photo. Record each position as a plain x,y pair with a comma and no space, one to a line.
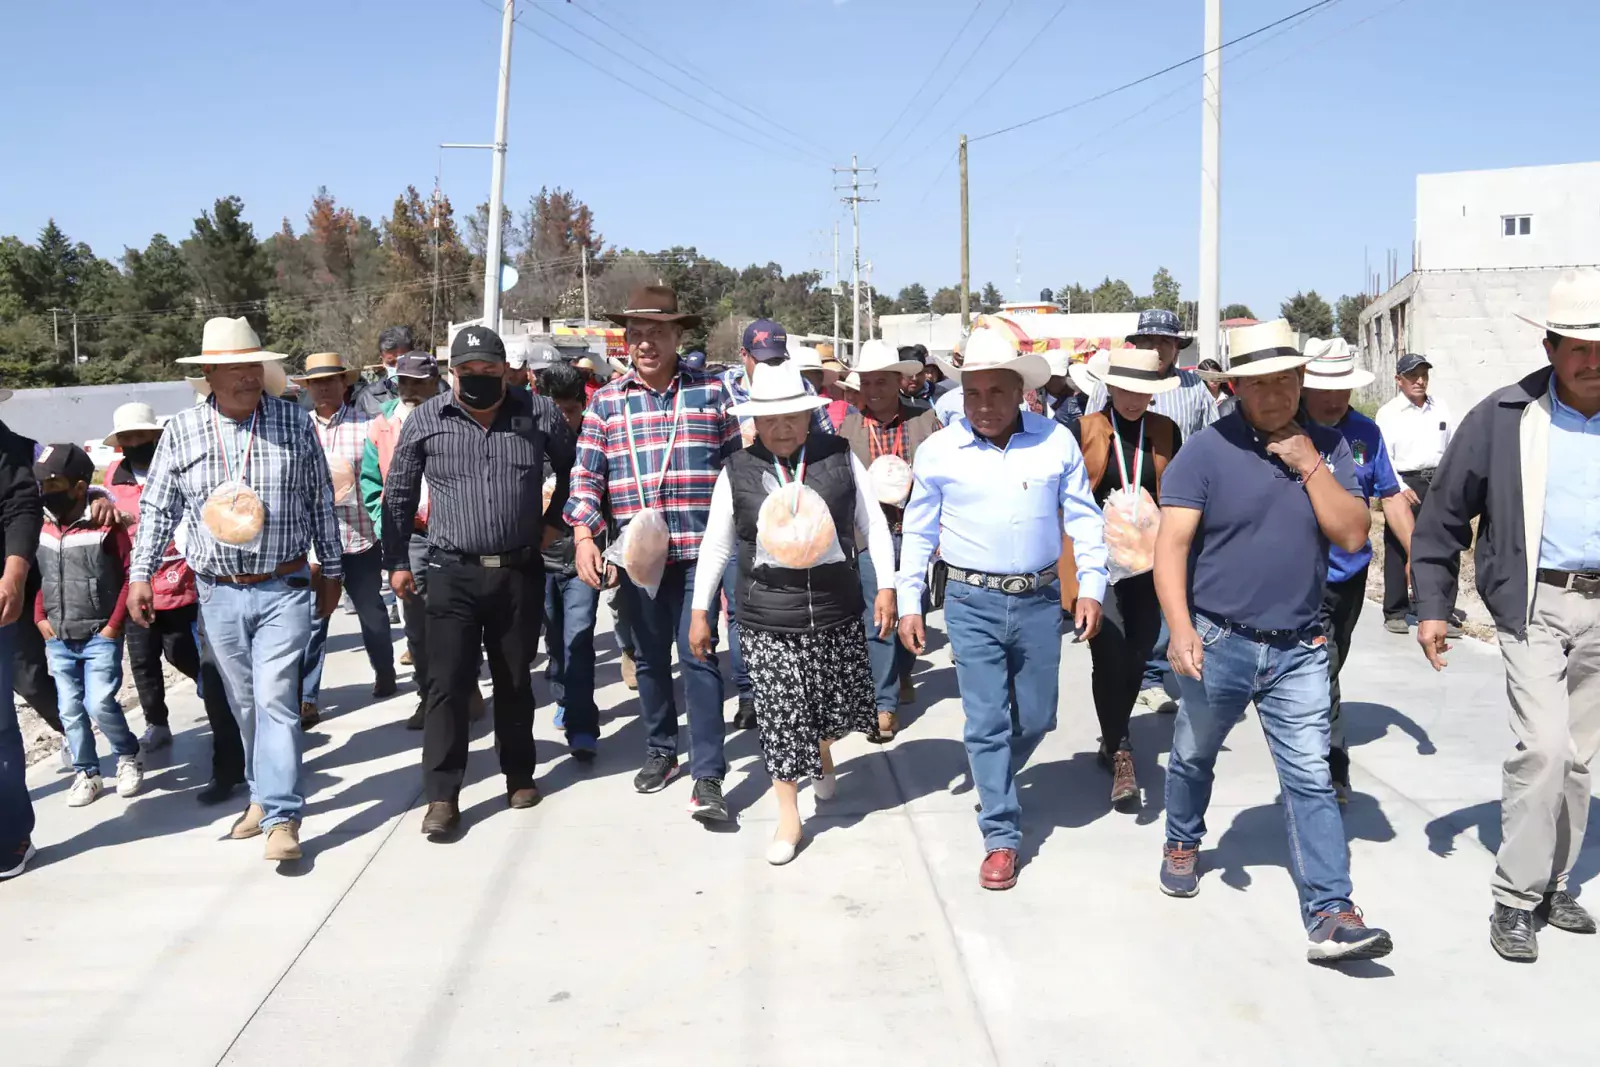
1517,225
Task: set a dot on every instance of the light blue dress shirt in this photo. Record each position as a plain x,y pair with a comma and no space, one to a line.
1000,510
949,406
1571,540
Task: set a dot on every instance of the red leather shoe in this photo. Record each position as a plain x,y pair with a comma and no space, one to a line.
999,870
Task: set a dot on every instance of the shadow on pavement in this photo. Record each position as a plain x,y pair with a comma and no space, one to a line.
1485,818
1365,723
1257,838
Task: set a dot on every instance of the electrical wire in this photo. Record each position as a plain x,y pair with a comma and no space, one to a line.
933,70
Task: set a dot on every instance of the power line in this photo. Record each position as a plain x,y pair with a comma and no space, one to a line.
932,71
1152,76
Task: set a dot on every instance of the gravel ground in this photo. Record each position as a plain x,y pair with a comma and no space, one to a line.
1479,623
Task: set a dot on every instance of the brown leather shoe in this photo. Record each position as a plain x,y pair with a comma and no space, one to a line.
526,797
999,870
283,842
309,715
630,671
441,818
1124,784
247,825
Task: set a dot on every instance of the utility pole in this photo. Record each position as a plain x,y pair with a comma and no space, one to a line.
74,338
586,285
55,325
497,183
1211,184
836,353
868,268
855,200
966,249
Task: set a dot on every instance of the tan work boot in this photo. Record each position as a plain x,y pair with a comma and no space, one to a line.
248,825
283,842
630,671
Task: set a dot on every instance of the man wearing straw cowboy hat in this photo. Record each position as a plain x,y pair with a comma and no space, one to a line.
990,492
244,475
342,429
1248,510
1330,377
1525,464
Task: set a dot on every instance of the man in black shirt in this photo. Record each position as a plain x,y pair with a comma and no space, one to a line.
21,514
484,453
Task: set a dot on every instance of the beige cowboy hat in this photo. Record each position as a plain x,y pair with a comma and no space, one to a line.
1574,306
878,357
851,381
1333,365
326,365
230,341
130,418
777,390
1138,370
273,380
987,348
1265,348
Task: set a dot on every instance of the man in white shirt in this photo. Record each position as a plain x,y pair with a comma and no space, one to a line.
1416,428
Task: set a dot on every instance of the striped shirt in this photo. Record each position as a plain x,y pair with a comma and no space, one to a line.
344,437
277,455
485,487
693,415
1191,405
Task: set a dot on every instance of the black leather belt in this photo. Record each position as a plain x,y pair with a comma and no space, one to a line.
515,558
1265,637
1423,473
1587,583
1010,584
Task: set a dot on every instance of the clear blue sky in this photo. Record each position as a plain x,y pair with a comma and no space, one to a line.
122,120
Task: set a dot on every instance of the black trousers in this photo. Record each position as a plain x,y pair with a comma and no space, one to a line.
170,635
1130,621
500,608
1341,610
227,746
30,678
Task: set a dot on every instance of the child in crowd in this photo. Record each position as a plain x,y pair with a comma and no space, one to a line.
81,610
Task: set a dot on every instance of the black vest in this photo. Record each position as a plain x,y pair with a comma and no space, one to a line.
779,598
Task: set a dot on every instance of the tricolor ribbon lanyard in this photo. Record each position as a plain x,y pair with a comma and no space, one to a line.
666,456
1138,467
799,476
244,452
896,440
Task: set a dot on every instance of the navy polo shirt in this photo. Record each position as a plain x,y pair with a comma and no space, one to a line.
1259,558
1376,476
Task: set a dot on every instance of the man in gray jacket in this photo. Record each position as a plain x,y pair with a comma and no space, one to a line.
1525,464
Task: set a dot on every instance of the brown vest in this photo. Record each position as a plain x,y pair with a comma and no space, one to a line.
1098,438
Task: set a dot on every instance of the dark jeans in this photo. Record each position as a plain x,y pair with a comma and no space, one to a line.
659,622
1341,610
1157,671
498,609
569,610
414,614
227,746
730,583
890,659
363,580
30,676
622,620
1129,623
170,635
16,809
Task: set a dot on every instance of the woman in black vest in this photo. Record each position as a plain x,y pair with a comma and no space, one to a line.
800,628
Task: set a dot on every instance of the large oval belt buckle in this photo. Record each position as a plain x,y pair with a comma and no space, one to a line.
1013,584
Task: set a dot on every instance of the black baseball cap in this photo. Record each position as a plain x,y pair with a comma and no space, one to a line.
477,343
64,461
396,338
416,365
766,341
1409,362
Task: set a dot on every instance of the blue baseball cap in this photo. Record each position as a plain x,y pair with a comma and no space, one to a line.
693,360
765,341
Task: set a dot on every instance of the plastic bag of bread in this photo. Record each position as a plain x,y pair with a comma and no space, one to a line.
549,491
234,515
891,480
794,528
343,473
1132,522
641,551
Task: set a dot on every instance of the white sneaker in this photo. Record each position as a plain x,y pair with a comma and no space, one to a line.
155,737
825,787
84,789
130,775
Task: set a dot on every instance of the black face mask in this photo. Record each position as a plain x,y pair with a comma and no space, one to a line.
480,391
60,504
139,456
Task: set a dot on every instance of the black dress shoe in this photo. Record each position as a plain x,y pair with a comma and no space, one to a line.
415,722
1511,934
745,717
1560,910
442,817
384,687
217,792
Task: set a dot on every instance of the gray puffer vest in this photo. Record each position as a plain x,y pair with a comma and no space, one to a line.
79,578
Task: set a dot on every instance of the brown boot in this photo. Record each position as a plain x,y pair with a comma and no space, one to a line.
283,842
1124,784
247,825
309,715
630,671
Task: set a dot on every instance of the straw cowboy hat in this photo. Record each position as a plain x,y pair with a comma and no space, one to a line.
1574,307
1333,366
273,381
230,341
326,365
777,390
1265,348
878,357
851,381
130,418
989,349
655,303
1138,370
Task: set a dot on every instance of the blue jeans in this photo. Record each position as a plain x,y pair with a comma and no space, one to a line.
569,613
16,809
1287,679
658,623
730,583
1158,673
889,657
1008,665
258,634
88,674
363,581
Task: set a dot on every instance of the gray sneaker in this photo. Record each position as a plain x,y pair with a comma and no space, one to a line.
1396,626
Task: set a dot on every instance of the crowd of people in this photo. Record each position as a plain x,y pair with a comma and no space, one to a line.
1206,531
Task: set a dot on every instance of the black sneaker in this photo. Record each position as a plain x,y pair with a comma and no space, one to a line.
659,769
706,803
745,717
1345,936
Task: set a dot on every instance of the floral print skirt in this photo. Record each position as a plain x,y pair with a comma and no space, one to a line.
808,687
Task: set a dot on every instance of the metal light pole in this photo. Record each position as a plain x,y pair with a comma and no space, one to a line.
1211,185
497,184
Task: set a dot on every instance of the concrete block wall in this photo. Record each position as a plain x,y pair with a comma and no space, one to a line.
1465,322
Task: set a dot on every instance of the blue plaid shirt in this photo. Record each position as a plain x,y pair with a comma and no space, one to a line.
739,389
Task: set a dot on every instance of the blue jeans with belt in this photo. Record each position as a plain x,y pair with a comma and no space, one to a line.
16,809
659,622
1286,676
1008,666
890,659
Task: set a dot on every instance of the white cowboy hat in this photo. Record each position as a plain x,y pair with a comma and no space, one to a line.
1138,370
987,348
273,380
777,390
851,381
878,357
230,341
1060,360
130,418
1333,366
805,358
1265,348
1574,307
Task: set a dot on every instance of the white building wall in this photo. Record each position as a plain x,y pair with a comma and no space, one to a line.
1459,218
